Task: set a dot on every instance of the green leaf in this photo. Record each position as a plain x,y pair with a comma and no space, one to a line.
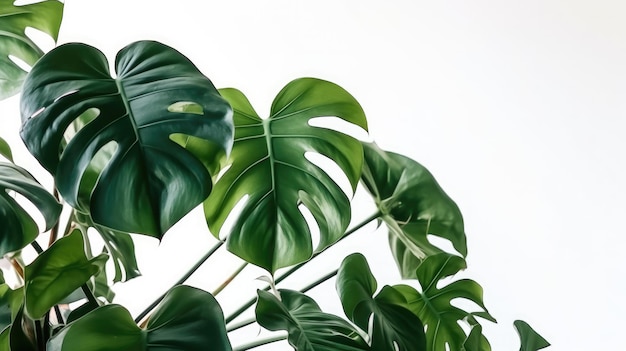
18,228
188,319
393,323
5,150
413,206
309,328
10,303
22,333
123,157
14,19
433,306
57,272
475,340
269,166
530,339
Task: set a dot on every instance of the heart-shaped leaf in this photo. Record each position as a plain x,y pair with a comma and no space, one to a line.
137,118
433,306
530,339
57,272
394,326
45,16
18,228
309,328
413,205
270,168
5,150
188,319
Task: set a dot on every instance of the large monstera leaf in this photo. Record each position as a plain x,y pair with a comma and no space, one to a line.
432,305
18,228
391,324
413,205
309,328
130,131
14,19
188,319
270,168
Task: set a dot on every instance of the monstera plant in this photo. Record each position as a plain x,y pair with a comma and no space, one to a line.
134,150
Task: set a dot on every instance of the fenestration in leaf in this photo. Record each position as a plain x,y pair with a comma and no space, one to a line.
268,164
413,206
150,181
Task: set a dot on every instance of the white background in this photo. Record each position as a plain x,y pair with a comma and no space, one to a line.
516,107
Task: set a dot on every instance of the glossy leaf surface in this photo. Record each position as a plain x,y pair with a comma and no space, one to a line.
309,328
57,272
269,166
10,303
150,181
393,324
433,306
530,339
45,16
413,206
18,228
188,319
5,150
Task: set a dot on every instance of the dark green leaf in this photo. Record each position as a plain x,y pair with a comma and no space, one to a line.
188,319
393,324
44,16
57,272
476,341
309,328
269,166
530,339
433,306
124,156
5,150
413,206
18,229
22,333
10,303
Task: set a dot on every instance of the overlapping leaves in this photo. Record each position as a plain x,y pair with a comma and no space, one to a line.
270,168
45,16
413,206
157,101
18,228
187,319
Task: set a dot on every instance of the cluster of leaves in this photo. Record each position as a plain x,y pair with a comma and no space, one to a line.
136,151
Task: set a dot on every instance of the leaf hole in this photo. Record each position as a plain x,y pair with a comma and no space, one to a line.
91,174
23,65
441,243
311,223
66,94
42,39
186,107
37,113
463,324
211,154
232,217
332,170
340,125
30,209
25,2
79,123
465,304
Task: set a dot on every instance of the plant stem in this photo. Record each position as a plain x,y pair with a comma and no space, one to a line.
41,343
57,312
229,279
90,296
260,342
240,325
295,268
319,281
180,281
37,247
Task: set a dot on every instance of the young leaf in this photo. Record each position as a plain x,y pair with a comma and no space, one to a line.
150,181
18,228
530,339
57,272
270,167
5,150
433,306
413,206
45,16
309,328
187,319
393,324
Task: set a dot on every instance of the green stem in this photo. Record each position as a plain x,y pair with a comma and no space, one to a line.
260,342
189,273
295,268
319,281
229,279
240,325
59,315
41,343
90,296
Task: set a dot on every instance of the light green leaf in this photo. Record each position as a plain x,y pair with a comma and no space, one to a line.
393,324
188,319
309,328
57,272
530,339
413,206
269,166
18,228
14,19
150,181
433,306
5,150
